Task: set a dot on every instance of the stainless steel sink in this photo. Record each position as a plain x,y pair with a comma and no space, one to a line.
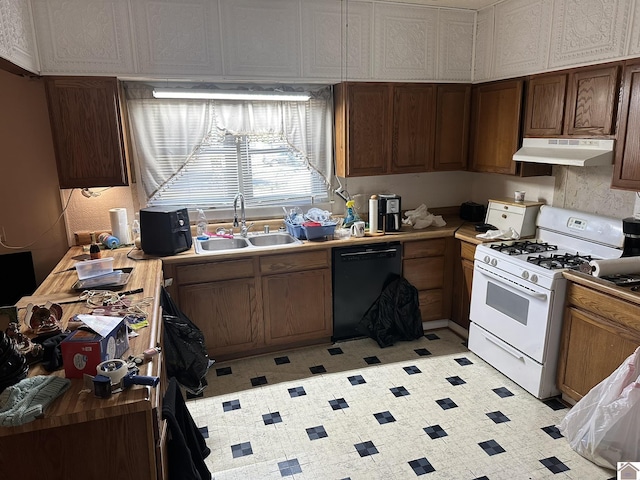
272,240
216,244
255,241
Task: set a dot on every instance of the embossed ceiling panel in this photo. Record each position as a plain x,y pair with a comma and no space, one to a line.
16,34
484,44
588,31
469,4
322,42
634,45
83,36
455,45
175,37
522,36
405,42
262,39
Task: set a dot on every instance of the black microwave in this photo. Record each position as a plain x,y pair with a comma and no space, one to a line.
164,231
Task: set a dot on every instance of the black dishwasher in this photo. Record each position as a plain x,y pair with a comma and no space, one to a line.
359,273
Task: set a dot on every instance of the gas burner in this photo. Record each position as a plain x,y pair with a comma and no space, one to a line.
555,261
523,247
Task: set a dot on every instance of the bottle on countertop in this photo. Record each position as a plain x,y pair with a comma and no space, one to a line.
135,231
94,249
202,225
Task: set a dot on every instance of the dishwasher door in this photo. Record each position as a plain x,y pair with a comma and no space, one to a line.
359,273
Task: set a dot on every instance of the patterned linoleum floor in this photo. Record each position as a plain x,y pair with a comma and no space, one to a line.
426,408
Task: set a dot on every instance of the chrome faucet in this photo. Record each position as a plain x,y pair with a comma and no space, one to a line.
243,219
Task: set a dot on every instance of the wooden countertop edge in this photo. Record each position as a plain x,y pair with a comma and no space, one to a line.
602,286
406,234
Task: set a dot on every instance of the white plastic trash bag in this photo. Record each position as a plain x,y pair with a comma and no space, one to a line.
604,426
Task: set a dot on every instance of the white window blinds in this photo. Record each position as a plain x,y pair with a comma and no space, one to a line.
200,153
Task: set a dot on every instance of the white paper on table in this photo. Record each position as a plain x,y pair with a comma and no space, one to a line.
101,324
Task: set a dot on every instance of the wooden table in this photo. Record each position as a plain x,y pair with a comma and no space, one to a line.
80,435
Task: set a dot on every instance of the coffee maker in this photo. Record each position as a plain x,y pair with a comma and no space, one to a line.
389,214
631,230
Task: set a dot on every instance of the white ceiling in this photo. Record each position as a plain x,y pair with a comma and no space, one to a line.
469,4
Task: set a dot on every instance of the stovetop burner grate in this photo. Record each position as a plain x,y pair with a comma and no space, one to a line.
555,261
523,247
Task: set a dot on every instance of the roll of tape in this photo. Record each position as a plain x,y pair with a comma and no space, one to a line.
114,369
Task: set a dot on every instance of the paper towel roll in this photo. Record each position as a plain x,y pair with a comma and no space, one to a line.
373,214
120,225
602,268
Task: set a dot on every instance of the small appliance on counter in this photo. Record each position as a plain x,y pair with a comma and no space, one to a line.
472,212
389,213
631,230
164,231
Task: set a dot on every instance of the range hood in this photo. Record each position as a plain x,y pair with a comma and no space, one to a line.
566,151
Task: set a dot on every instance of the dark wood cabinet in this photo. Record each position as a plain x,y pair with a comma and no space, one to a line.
495,124
85,114
391,128
363,128
544,115
591,101
626,172
453,103
413,123
579,102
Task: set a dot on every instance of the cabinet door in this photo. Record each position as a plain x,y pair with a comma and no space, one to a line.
591,101
592,348
453,103
227,313
544,113
363,113
495,123
87,131
412,147
297,306
626,172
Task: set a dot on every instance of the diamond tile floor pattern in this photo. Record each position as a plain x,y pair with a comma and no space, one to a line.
428,408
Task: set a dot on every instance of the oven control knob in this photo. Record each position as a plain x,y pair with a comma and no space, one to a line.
494,262
525,274
486,259
534,278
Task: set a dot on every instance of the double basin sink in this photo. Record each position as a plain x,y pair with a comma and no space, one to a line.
216,245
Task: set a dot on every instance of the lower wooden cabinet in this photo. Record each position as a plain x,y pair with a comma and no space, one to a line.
599,333
228,314
257,304
428,266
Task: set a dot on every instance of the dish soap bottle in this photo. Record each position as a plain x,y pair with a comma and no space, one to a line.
351,215
202,225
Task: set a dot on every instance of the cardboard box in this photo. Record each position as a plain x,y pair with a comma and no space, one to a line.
82,350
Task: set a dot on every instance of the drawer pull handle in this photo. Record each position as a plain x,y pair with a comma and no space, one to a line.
504,215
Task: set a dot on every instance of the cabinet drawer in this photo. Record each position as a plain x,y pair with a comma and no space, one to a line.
431,304
214,271
502,220
618,311
424,273
293,262
467,250
424,248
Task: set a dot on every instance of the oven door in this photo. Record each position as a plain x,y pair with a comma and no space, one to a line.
515,313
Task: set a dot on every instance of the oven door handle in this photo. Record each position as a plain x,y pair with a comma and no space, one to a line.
510,350
515,286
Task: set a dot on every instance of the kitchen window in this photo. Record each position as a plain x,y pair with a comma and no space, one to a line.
200,153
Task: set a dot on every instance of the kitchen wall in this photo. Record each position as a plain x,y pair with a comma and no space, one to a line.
29,195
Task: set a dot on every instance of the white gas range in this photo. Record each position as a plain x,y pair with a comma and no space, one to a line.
518,293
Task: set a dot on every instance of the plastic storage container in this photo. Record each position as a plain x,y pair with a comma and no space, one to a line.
295,231
316,233
93,268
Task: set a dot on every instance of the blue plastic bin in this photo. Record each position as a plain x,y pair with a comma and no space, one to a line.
316,233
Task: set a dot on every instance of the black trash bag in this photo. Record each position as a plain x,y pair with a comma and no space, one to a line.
395,315
184,349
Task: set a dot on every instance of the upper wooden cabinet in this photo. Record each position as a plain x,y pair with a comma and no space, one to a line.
453,104
580,102
626,171
363,128
495,125
87,131
389,128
